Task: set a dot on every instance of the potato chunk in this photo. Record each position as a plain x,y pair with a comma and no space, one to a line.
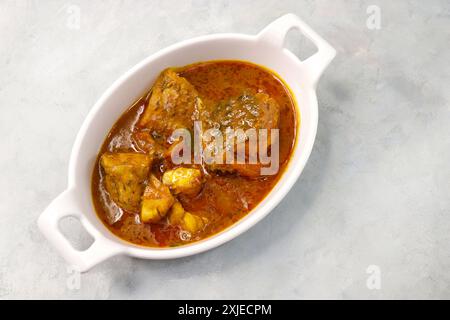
125,175
193,223
187,221
187,181
176,213
156,201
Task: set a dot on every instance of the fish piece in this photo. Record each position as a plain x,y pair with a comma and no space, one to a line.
125,176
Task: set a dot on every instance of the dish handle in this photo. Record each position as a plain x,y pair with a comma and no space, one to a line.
275,34
65,205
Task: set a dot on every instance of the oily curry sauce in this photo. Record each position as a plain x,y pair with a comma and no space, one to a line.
225,196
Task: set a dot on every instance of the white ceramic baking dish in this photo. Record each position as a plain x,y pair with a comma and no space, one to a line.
266,49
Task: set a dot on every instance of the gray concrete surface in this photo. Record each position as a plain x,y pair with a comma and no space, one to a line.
374,193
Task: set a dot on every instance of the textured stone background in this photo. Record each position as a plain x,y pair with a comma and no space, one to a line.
375,191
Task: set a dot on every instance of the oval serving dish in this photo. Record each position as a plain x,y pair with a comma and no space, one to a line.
265,49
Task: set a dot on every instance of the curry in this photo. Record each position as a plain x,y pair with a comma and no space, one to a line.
147,197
